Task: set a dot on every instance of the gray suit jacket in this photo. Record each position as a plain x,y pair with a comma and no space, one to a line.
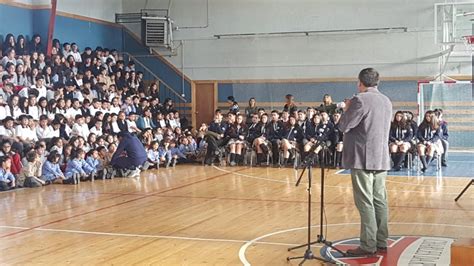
366,126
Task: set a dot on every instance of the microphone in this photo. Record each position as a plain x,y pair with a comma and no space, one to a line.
342,105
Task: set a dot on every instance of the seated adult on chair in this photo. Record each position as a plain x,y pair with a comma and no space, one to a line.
215,138
129,156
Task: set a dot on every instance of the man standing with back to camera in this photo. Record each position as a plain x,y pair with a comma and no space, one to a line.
366,126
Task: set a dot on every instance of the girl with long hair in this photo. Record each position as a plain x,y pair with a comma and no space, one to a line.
429,137
400,137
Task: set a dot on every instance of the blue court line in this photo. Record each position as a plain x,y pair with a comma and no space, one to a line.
460,164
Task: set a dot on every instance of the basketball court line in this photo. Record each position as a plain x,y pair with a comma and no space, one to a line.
143,235
115,205
329,186
230,199
244,247
295,201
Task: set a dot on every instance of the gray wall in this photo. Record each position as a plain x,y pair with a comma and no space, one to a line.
411,53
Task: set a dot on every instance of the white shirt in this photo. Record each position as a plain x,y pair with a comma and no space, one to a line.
7,132
97,132
173,124
77,57
78,95
162,123
4,112
71,113
67,53
132,125
146,122
114,110
115,127
49,95
17,112
26,133
51,133
94,110
34,112
43,133
80,130
42,91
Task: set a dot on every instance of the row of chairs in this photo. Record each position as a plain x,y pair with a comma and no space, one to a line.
250,156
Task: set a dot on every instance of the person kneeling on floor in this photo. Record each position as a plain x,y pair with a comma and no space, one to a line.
129,156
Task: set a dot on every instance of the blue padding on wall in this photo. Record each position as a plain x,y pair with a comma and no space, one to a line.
405,91
161,69
92,34
15,20
27,22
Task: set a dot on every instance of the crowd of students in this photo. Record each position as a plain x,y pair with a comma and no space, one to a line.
62,115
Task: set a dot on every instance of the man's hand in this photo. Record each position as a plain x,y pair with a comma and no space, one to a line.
347,103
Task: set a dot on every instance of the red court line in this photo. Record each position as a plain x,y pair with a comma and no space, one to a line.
68,209
117,204
292,201
248,199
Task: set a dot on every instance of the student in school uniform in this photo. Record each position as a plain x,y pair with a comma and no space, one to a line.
275,129
401,134
92,165
8,151
444,136
51,171
292,137
7,180
30,175
215,136
429,139
153,155
260,136
237,133
337,139
75,167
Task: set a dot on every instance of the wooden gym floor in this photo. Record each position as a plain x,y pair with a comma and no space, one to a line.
205,215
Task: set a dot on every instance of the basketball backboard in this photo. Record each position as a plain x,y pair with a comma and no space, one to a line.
453,21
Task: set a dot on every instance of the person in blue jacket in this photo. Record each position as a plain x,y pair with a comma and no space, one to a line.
7,180
51,171
130,155
75,167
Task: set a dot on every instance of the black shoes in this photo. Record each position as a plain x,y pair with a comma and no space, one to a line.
359,252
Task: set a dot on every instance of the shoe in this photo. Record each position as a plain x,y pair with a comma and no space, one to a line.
397,168
358,252
444,164
382,249
233,163
135,173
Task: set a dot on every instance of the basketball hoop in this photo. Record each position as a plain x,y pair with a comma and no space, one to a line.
469,39
469,42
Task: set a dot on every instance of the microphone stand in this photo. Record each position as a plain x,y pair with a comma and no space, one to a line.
308,255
